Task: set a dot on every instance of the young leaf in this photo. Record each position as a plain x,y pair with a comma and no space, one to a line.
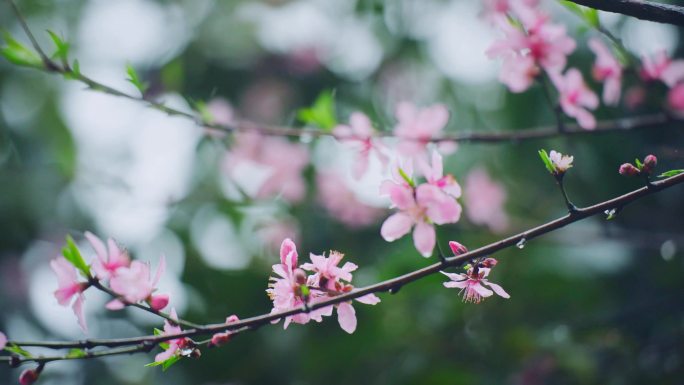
76,353
17,53
591,16
638,164
73,255
18,350
321,113
61,47
547,161
406,177
134,79
670,173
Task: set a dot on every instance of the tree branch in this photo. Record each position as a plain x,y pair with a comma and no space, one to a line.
384,286
641,9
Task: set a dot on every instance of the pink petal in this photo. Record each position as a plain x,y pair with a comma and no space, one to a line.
456,284
349,267
424,238
585,119
361,125
369,299
441,208
115,305
498,289
288,253
400,195
77,307
3,340
455,276
396,226
674,73
481,290
161,268
406,111
360,165
166,354
346,316
97,245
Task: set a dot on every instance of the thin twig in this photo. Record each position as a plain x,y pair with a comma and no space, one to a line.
641,9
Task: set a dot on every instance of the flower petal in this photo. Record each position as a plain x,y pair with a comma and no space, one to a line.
346,316
424,238
396,226
369,299
498,289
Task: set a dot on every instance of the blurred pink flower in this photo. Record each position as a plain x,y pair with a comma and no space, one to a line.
221,111
3,340
541,44
484,201
342,203
423,206
284,161
418,126
575,97
274,231
495,10
108,260
474,283
675,97
661,67
69,287
607,69
135,284
359,134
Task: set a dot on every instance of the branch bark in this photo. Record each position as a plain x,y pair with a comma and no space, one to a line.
641,9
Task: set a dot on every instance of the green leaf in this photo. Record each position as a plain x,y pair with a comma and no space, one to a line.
547,161
572,7
62,47
18,350
592,17
203,111
670,173
73,255
589,15
76,353
406,177
19,54
638,164
321,113
134,79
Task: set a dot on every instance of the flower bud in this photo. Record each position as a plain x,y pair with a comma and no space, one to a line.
300,276
650,161
158,302
457,248
628,169
489,263
219,339
28,376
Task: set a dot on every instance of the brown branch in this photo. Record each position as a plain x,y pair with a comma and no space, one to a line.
641,9
384,286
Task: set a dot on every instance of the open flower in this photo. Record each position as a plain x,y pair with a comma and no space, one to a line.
607,69
180,346
418,125
560,162
575,97
360,134
135,284
327,280
474,284
420,208
69,287
109,260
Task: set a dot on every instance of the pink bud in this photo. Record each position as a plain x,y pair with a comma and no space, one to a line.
28,376
219,339
628,169
489,262
457,248
650,161
158,302
300,276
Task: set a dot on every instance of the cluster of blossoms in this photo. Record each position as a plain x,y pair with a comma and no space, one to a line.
473,283
130,281
292,288
642,168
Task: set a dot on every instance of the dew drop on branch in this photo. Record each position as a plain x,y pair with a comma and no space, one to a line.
521,243
610,214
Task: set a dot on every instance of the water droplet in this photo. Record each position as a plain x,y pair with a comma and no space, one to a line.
521,243
668,250
610,214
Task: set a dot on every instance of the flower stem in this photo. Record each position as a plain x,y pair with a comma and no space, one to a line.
571,207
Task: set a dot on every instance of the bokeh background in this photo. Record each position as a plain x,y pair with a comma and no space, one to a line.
599,302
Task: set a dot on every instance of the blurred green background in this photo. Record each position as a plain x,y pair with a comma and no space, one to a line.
599,302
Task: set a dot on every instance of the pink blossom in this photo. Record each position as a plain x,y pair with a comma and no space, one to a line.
328,280
661,67
474,284
29,376
434,174
179,346
560,162
360,134
457,248
421,207
135,284
575,97
282,161
108,260
675,97
219,339
607,69
418,126
3,340
342,203
541,44
485,201
69,287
